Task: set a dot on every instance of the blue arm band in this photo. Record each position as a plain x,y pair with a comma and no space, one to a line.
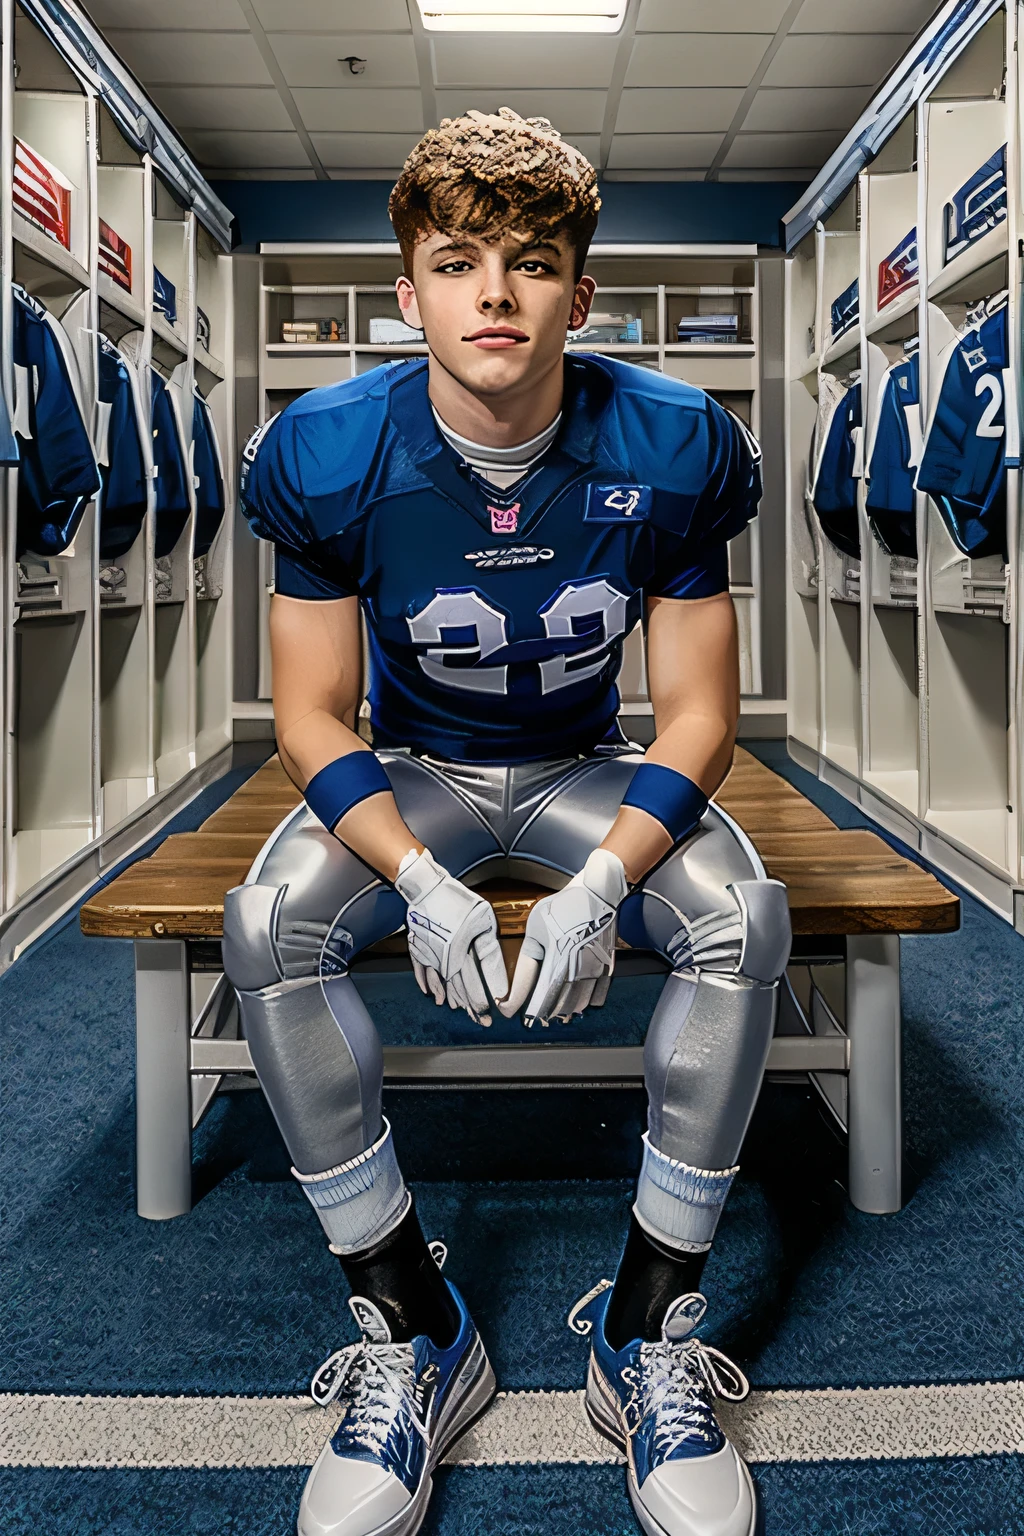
670,797
342,784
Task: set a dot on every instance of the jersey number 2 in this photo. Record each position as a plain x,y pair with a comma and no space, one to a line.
991,384
462,630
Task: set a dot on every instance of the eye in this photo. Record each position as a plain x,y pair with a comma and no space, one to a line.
458,265
533,265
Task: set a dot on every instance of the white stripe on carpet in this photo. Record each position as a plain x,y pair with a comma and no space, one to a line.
831,1424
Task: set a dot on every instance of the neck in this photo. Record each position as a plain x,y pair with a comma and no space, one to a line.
496,421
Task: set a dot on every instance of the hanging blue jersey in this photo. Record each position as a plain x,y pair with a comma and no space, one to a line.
963,464
165,301
123,498
891,467
209,479
172,499
496,619
57,475
8,441
834,495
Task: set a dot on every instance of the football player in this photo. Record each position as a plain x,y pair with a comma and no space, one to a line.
501,515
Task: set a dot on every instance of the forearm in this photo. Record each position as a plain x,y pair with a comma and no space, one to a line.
693,668
699,746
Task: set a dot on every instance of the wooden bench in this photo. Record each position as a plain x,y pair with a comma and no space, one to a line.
850,895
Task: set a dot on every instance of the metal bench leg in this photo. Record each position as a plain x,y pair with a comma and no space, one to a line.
876,1112
163,1094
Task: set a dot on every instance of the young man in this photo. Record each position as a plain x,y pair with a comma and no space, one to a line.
502,515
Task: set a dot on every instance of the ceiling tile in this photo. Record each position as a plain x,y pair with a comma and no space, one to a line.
330,15
802,173
462,59
312,59
570,111
835,60
781,149
191,58
272,150
807,107
324,110
588,144
182,16
711,15
364,150
207,106
662,151
667,110
905,16
695,58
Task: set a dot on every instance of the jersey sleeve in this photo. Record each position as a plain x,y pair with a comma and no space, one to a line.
273,500
697,565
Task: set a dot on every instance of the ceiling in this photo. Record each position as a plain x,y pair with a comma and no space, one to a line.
721,90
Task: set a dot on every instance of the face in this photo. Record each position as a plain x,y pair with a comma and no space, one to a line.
495,312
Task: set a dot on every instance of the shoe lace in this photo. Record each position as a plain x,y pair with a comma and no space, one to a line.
675,1381
378,1383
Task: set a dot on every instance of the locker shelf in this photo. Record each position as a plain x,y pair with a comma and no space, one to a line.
969,275
49,252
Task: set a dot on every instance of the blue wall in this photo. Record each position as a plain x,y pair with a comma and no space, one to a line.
747,212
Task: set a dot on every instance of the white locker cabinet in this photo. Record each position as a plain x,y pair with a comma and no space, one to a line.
904,673
652,288
116,681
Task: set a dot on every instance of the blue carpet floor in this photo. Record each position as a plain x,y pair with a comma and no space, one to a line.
531,1191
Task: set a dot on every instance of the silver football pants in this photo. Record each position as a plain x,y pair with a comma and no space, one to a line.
309,905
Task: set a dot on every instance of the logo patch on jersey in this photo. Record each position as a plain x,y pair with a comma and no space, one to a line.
618,503
504,519
507,559
846,309
898,271
978,206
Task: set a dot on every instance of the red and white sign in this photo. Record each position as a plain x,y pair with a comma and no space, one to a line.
115,257
42,194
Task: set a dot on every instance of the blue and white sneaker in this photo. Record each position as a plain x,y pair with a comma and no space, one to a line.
654,1401
405,1405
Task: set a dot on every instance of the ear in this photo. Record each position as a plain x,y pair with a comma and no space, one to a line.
582,299
407,302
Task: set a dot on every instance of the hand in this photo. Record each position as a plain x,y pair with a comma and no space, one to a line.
453,938
568,954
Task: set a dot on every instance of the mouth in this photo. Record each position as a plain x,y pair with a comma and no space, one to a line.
494,337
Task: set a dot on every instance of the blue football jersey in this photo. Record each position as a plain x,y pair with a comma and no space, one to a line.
208,476
963,464
834,494
123,497
57,474
496,619
172,499
891,466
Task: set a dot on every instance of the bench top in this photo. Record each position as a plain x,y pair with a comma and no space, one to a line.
838,882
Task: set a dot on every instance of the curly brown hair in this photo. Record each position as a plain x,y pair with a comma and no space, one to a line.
492,175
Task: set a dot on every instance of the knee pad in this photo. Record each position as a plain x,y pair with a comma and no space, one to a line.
249,945
767,932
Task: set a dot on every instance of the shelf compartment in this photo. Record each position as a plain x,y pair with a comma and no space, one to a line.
53,125
126,771
303,372
968,722
690,307
53,808
962,137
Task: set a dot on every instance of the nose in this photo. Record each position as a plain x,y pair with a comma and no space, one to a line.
495,295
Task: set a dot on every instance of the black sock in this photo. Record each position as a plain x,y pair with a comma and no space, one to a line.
400,1277
650,1276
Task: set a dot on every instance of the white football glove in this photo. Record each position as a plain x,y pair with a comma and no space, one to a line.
568,954
453,938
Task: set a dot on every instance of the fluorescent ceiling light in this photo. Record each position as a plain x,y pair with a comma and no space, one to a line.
522,15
